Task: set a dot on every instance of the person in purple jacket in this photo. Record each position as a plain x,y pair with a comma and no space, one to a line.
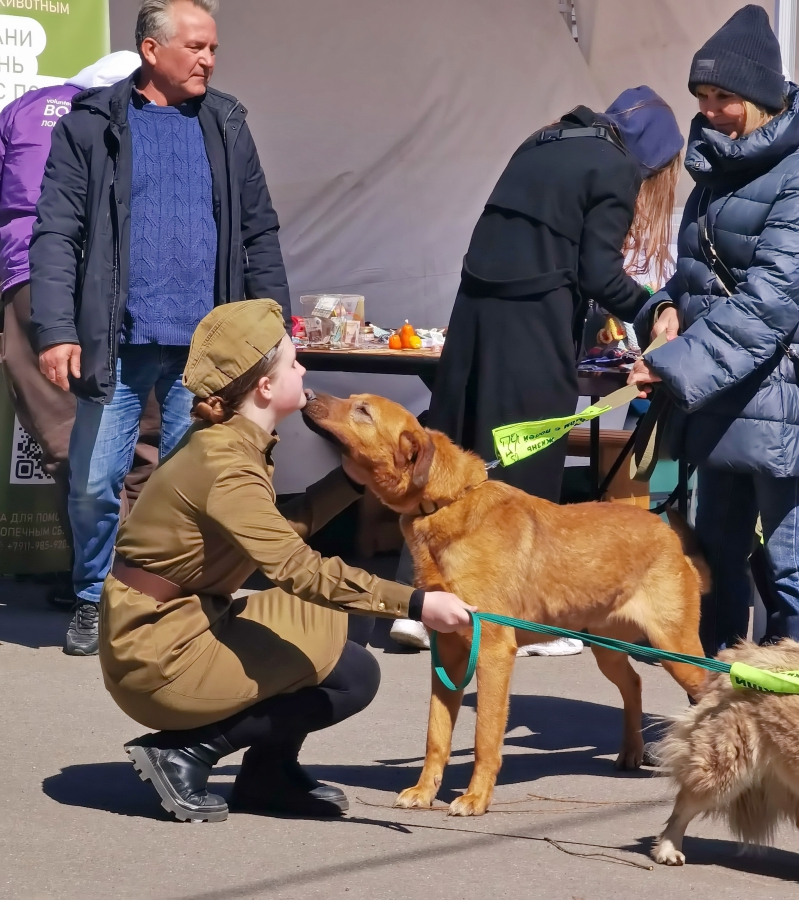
26,125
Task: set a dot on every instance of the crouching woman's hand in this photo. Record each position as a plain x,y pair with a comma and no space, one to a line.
445,612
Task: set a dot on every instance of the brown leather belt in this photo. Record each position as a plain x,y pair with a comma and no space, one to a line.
160,589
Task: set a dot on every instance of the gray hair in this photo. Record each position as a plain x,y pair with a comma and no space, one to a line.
155,19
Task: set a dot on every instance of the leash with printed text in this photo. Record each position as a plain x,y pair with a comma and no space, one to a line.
742,676
513,443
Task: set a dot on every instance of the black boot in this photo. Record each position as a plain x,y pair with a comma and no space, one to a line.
180,776
272,781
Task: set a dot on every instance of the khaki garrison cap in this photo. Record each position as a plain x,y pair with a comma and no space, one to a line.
229,341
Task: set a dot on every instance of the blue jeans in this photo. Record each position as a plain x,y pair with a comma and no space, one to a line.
101,452
727,507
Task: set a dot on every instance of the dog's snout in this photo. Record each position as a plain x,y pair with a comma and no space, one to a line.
309,394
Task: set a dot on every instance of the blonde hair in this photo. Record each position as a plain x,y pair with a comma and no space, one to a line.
757,116
646,247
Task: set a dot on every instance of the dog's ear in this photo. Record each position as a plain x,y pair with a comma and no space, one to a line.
417,448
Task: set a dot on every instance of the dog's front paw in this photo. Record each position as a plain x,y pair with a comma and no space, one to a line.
667,854
415,798
469,805
630,757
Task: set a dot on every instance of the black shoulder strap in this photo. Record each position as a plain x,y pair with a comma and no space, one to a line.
581,122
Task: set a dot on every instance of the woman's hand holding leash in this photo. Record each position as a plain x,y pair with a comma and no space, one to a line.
668,322
442,611
644,376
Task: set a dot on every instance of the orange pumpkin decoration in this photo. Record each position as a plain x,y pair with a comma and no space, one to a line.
406,333
395,342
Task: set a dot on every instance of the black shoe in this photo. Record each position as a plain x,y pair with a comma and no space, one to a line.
180,777
82,637
272,781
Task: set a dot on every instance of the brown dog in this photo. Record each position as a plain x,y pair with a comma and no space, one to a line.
611,569
734,755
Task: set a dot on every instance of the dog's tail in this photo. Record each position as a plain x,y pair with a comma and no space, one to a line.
690,547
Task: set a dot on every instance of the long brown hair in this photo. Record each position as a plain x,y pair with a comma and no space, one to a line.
219,407
646,247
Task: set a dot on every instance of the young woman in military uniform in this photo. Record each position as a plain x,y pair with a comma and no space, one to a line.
214,675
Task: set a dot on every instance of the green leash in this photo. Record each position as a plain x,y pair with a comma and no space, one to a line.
741,675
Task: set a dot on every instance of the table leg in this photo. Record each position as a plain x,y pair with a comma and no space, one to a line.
593,449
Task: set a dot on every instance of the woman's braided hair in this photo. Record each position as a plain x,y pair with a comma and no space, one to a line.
219,407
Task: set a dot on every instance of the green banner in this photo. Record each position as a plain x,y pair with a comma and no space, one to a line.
42,43
45,42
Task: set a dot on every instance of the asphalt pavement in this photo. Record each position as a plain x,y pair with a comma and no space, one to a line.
77,823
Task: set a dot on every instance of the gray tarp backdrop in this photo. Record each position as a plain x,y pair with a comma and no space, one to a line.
383,125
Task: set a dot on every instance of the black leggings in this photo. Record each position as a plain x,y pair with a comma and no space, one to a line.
288,718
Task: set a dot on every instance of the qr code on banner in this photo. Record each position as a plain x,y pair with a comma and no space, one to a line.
26,459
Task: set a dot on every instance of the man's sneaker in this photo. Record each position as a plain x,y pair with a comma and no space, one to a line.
82,635
410,634
560,647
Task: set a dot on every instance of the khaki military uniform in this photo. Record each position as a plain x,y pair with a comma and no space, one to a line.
206,520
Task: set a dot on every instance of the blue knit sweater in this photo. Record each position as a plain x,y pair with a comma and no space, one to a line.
173,239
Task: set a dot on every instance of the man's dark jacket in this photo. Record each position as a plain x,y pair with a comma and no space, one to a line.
80,251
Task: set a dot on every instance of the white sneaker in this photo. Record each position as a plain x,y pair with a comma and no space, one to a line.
410,634
559,647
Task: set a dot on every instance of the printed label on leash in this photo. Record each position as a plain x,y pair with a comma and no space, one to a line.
748,678
515,442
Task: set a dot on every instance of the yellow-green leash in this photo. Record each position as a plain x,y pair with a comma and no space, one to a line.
742,676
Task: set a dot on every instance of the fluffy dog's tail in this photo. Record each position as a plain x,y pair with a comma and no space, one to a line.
690,547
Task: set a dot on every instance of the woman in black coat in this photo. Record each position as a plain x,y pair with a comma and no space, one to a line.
553,236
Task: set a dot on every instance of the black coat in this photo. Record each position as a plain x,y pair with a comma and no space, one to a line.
549,239
80,250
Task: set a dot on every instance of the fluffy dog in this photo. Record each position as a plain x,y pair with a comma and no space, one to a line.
735,755
611,569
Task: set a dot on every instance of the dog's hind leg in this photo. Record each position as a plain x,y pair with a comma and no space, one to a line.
494,670
616,667
668,849
453,650
686,640
671,622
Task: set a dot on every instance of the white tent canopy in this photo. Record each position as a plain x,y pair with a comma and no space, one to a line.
382,127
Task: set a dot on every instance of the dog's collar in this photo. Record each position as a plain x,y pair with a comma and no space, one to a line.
428,507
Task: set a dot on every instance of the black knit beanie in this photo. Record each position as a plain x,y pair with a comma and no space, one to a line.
743,57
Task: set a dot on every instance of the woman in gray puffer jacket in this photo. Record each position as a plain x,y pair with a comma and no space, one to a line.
735,300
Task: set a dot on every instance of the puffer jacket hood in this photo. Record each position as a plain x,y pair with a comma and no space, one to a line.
712,157
733,369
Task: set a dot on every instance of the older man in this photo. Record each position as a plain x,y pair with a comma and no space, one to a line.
154,209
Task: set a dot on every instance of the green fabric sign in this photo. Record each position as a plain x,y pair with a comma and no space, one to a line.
45,42
42,43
